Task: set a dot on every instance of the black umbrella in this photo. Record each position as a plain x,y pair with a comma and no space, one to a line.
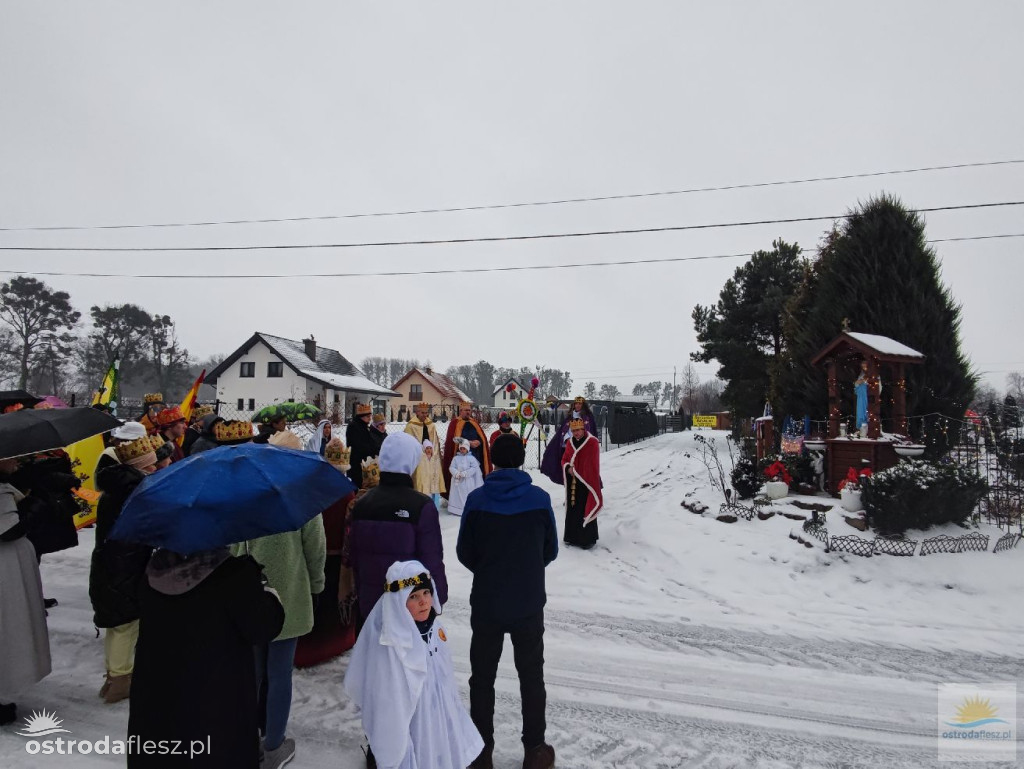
13,397
33,430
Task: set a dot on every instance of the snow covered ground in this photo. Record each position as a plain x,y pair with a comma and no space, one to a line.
678,641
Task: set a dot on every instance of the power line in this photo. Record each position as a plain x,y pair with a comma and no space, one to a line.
454,271
494,239
495,206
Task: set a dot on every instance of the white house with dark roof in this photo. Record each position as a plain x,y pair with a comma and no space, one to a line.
271,369
503,399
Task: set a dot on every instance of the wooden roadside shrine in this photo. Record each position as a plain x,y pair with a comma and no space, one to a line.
841,359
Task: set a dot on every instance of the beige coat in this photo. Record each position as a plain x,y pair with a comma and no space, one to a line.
427,479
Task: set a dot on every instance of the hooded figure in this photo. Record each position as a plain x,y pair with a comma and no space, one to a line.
317,442
23,634
402,680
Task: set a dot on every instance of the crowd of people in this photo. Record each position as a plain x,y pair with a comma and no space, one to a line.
205,644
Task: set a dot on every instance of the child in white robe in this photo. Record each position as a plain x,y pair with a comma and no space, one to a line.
401,678
466,476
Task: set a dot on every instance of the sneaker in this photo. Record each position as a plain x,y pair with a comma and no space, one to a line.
485,760
540,757
118,688
281,755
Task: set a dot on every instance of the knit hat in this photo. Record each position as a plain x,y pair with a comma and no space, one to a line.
129,431
168,417
362,409
286,439
378,419
138,453
508,451
232,431
400,453
460,442
504,416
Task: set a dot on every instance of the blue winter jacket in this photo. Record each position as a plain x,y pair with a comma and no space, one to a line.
506,537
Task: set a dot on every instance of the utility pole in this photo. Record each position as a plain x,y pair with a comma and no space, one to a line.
673,389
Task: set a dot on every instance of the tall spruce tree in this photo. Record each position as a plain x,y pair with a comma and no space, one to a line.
744,330
876,272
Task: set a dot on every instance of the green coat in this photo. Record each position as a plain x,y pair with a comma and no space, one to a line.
294,565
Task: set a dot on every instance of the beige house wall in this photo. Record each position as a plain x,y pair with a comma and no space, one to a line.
431,395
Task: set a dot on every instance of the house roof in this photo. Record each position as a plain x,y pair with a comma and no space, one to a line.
331,368
881,347
439,382
502,386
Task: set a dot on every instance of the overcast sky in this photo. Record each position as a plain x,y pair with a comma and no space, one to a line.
125,113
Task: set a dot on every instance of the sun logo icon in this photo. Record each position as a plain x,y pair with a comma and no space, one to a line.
975,712
42,724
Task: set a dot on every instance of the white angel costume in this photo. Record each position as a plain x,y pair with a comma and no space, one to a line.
404,684
466,476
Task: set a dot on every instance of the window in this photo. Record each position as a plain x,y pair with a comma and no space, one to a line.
415,392
252,404
275,368
241,403
247,370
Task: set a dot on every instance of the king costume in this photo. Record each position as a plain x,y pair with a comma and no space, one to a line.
470,430
401,678
581,474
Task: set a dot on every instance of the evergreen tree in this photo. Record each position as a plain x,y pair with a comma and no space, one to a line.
744,330
876,271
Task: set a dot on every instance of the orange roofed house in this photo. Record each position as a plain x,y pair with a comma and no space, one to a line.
424,385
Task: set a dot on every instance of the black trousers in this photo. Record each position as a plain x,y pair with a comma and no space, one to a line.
527,636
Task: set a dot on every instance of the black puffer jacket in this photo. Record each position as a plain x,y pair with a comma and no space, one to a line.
118,568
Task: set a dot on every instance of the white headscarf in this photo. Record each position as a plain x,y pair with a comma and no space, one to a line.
316,440
399,453
389,666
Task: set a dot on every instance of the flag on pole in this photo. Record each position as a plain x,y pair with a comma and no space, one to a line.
108,394
189,403
86,454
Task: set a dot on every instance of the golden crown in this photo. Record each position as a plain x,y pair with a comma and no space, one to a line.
369,462
336,453
153,398
232,431
577,424
362,409
201,411
579,400
126,452
157,440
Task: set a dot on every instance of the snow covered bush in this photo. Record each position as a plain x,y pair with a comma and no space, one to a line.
917,494
745,478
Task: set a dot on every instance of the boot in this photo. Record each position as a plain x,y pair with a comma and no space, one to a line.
106,685
540,757
485,760
118,688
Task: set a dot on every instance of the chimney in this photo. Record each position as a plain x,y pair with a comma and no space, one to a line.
310,348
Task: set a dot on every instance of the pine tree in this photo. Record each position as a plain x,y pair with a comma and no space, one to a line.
876,270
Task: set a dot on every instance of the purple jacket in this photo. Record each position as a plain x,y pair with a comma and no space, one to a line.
551,464
394,522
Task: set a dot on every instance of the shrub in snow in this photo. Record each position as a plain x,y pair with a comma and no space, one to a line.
745,478
917,494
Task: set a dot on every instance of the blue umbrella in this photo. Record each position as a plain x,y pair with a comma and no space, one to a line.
228,495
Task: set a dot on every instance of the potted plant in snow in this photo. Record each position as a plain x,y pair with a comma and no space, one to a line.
778,480
850,489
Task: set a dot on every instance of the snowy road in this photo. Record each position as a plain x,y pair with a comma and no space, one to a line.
678,642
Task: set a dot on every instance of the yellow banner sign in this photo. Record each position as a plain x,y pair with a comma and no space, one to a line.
705,420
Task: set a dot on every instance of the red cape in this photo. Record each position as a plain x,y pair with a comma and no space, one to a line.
454,429
585,462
